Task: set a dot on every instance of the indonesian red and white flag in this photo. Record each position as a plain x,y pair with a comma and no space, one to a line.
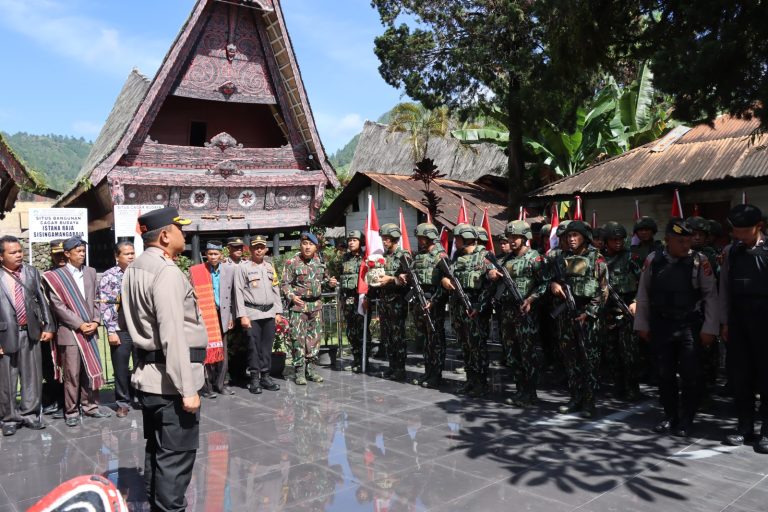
405,242
486,224
577,215
462,219
635,239
444,238
373,245
677,205
554,222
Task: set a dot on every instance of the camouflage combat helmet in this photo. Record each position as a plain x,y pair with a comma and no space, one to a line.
482,234
715,228
355,233
519,228
391,230
427,230
697,223
613,229
465,231
561,228
581,227
646,223
546,230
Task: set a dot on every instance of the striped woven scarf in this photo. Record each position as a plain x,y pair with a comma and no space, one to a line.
64,286
201,280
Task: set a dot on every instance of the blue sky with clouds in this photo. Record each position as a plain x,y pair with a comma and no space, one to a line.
64,61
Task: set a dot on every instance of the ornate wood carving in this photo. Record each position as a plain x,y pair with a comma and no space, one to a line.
223,141
225,169
191,157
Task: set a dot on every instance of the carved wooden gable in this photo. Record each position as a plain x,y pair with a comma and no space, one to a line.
228,62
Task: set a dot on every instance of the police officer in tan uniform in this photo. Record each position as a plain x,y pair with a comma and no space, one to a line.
163,319
258,306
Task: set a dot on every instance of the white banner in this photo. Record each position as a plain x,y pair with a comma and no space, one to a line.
46,224
126,216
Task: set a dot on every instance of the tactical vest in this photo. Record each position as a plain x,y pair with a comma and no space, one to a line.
350,270
521,270
581,272
748,271
673,292
620,274
424,267
469,270
392,263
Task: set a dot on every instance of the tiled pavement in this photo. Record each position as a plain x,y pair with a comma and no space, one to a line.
362,443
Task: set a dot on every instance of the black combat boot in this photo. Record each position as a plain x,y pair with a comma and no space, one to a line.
267,383
254,386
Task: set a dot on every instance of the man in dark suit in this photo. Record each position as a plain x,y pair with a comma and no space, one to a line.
73,302
25,320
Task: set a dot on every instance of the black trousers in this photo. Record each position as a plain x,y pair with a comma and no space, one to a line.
173,437
53,390
261,337
216,373
747,359
677,350
121,356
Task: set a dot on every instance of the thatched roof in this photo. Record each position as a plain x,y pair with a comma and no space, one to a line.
381,151
15,176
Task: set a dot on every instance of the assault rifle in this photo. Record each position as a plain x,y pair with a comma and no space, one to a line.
417,292
456,285
619,301
569,305
517,297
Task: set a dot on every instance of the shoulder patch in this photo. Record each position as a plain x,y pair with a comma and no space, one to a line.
706,267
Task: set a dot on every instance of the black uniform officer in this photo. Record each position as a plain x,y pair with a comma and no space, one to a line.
743,309
677,313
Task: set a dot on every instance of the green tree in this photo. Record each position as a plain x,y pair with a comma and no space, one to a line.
534,59
420,123
711,56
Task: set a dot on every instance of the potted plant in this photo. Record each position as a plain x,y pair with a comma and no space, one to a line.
280,347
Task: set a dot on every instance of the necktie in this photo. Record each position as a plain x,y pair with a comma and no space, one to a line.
18,300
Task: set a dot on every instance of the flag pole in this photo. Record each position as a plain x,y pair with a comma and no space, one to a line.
365,339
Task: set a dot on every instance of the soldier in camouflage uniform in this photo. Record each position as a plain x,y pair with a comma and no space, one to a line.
525,266
621,343
710,354
645,230
587,274
425,268
350,271
470,268
304,278
392,289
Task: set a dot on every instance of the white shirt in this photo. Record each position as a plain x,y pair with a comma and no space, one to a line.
79,276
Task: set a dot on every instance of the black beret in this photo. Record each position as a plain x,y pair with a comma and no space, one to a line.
157,219
678,226
745,216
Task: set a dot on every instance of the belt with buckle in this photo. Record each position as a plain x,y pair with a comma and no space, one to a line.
196,355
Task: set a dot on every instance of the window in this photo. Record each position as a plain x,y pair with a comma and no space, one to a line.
198,134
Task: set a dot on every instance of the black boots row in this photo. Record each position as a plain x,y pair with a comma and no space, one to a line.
260,381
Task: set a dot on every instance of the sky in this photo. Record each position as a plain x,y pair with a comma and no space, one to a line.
64,62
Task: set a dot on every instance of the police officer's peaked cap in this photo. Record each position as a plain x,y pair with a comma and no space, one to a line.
546,230
427,230
213,245
74,242
391,230
306,235
57,246
519,228
679,227
258,240
465,231
745,216
235,240
560,231
157,219
697,223
581,227
613,229
355,233
646,223
482,234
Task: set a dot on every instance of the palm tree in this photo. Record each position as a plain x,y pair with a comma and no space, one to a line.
420,123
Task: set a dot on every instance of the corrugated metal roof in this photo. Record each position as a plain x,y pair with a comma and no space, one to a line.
704,154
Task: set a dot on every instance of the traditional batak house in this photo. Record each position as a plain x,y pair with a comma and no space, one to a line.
224,132
16,177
